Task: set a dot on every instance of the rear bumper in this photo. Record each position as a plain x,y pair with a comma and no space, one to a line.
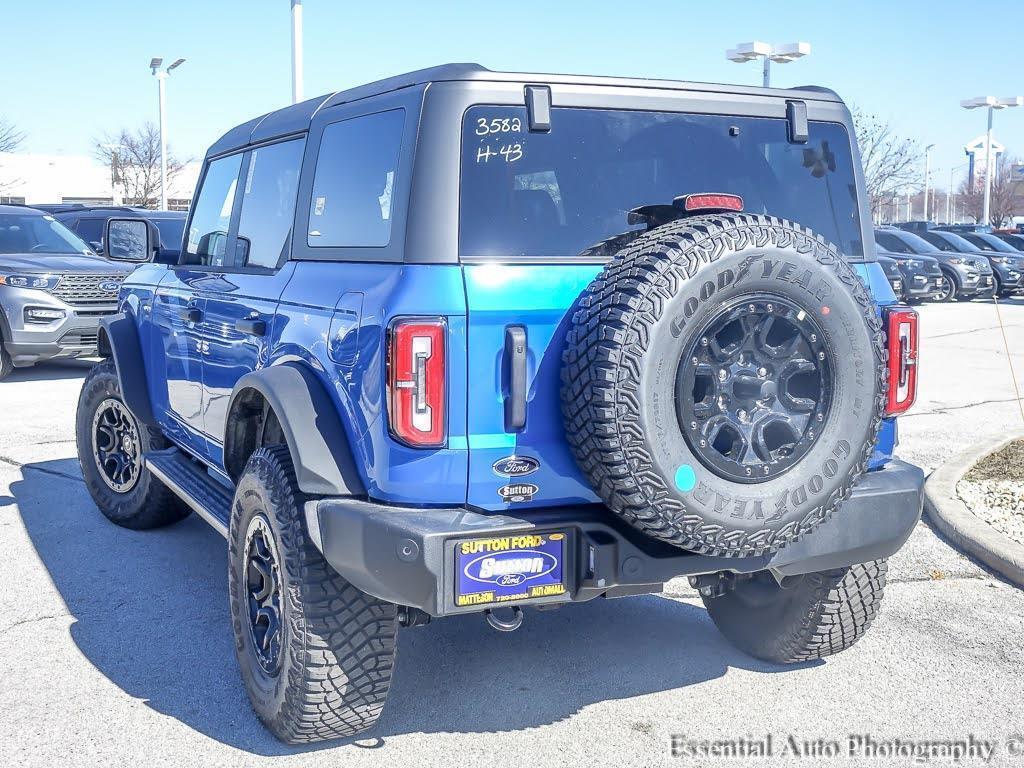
407,556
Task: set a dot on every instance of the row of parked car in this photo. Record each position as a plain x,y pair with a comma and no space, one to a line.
940,264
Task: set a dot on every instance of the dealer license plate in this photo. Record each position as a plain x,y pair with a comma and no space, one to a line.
505,569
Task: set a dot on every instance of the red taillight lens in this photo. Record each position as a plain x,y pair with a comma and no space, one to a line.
901,326
416,382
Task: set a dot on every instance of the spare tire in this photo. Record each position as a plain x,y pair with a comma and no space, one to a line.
723,383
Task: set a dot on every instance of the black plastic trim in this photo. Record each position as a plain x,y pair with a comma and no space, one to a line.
405,555
313,431
123,338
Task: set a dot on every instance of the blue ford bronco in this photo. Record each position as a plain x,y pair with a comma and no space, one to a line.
462,341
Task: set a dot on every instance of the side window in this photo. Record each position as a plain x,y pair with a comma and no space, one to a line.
356,172
208,232
938,241
268,204
91,230
891,243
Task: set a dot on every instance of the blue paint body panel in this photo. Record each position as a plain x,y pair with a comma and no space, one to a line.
333,319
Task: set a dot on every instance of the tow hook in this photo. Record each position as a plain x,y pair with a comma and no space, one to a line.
713,584
505,625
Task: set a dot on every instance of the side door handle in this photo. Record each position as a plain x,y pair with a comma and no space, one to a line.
515,360
190,314
251,326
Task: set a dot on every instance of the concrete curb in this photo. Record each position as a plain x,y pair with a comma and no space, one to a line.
972,534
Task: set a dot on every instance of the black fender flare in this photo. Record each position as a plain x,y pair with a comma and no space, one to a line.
312,428
122,338
953,275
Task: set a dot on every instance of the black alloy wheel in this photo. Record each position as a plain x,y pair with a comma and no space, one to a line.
117,449
753,390
263,585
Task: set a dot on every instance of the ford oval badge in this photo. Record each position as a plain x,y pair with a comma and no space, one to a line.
110,286
515,466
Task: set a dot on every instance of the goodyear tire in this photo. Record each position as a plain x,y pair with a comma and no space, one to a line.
723,383
316,654
806,618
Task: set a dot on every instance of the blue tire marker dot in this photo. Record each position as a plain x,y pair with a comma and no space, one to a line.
685,478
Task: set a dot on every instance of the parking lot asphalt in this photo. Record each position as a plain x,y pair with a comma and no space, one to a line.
115,645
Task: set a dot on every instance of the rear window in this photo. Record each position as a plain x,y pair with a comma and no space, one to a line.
566,192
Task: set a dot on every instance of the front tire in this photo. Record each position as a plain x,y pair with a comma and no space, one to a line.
316,654
818,615
948,292
111,445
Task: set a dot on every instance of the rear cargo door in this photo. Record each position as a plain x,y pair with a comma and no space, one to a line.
518,315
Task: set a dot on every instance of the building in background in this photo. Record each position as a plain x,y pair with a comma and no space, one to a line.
32,178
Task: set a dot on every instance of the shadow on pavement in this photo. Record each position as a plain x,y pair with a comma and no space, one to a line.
151,614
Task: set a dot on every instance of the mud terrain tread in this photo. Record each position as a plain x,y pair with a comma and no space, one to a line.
341,639
831,611
601,369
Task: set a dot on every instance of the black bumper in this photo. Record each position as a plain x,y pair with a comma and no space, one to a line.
407,556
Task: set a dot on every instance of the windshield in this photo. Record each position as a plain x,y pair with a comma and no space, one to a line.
911,243
172,231
990,243
32,233
558,193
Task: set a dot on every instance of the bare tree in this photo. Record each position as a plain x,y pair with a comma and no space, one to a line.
10,140
1004,198
891,162
10,137
134,161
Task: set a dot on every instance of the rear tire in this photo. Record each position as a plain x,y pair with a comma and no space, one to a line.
948,292
316,654
821,614
130,496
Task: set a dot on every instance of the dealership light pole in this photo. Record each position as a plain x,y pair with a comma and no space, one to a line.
296,51
992,103
951,198
780,54
927,176
161,76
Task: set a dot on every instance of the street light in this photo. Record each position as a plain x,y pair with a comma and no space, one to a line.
927,175
991,103
780,54
155,64
951,198
296,51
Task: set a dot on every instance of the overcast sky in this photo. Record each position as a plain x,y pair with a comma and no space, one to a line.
72,70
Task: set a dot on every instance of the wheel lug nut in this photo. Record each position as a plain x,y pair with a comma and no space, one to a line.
821,355
723,374
704,341
693,425
694,359
762,372
741,414
814,337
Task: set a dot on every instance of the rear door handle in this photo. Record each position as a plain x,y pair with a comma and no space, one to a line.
251,326
515,359
191,314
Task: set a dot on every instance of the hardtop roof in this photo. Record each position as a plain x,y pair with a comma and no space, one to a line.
296,118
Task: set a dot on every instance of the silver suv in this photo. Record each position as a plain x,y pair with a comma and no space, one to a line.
53,290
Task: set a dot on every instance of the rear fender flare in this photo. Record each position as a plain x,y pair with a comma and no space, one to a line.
312,428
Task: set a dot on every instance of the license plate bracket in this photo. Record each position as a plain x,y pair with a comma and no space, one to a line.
522,567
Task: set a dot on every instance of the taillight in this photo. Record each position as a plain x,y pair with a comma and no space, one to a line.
901,326
416,381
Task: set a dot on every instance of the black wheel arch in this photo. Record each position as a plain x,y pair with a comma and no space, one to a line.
289,401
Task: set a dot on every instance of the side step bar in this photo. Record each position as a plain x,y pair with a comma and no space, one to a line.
193,485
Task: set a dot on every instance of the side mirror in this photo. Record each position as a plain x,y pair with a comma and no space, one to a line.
128,240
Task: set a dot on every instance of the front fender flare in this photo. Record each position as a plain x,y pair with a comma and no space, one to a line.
122,336
313,430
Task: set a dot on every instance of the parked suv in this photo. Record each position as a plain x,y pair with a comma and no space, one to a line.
462,341
1007,262
89,224
922,276
965,275
53,290
953,243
